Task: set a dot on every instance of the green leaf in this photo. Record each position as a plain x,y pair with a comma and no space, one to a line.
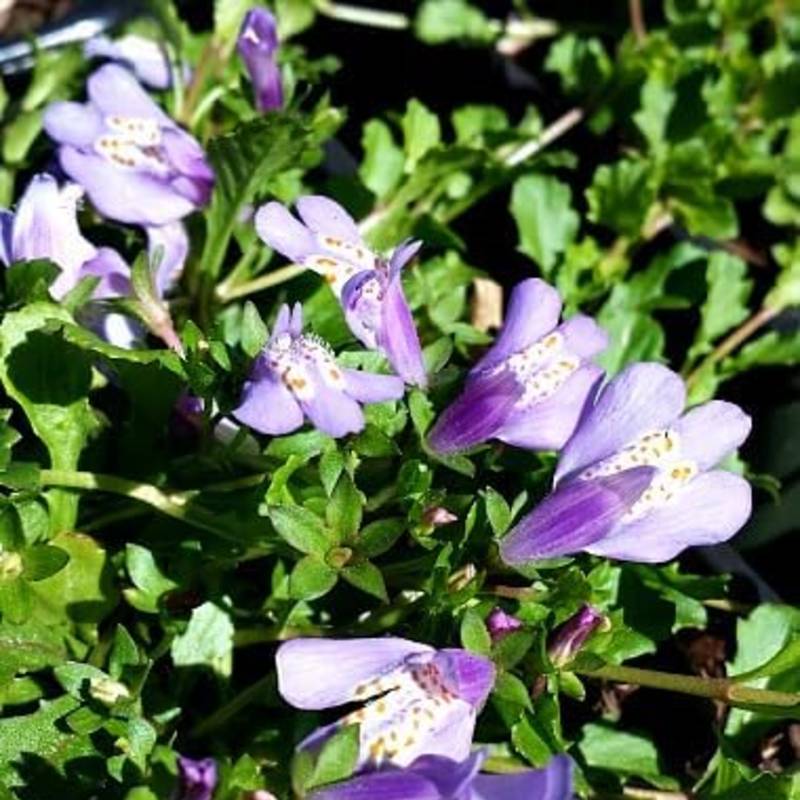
43,560
337,759
421,133
509,688
474,635
383,162
228,17
705,213
379,536
207,641
294,16
546,222
303,529
254,332
8,438
621,195
19,135
311,578
29,281
441,21
343,512
151,584
581,62
497,510
28,648
626,754
367,577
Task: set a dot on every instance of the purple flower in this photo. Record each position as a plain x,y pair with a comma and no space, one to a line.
296,376
531,388
572,635
197,778
500,624
441,778
45,225
636,481
370,288
423,701
145,57
257,45
134,162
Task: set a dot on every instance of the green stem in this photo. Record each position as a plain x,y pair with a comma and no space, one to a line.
722,689
552,132
275,278
373,17
232,708
172,505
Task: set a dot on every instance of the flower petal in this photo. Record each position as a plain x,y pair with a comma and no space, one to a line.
711,431
583,336
554,782
113,271
368,387
6,233
402,254
326,217
451,778
124,195
393,784
398,336
144,56
76,124
306,679
574,517
257,43
331,409
476,415
268,407
470,676
115,92
532,313
283,233
548,424
642,398
172,242
710,509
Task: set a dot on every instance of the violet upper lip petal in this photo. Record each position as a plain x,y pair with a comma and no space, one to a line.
147,58
197,778
326,239
134,162
296,376
257,45
418,701
532,386
637,480
442,778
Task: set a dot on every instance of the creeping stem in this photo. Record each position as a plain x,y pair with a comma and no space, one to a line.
723,689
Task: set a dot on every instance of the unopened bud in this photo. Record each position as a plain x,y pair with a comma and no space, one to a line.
436,516
461,578
11,566
108,691
572,635
500,624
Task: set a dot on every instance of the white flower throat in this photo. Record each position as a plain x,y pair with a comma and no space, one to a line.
542,368
300,361
133,143
659,449
339,260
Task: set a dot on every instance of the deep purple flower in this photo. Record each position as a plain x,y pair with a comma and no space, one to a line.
572,635
257,46
135,163
296,376
369,287
500,624
197,779
45,225
442,778
636,481
422,701
530,389
145,57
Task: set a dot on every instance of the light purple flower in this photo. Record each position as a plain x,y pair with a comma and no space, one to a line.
419,701
532,386
145,57
369,287
197,778
500,624
45,225
442,778
257,46
296,376
134,162
637,480
572,635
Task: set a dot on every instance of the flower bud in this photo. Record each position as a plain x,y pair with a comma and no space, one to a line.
572,635
436,516
108,691
257,45
197,777
501,624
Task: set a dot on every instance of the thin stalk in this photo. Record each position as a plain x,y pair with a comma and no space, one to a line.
732,342
267,281
241,269
552,132
722,689
172,505
207,60
361,15
638,26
